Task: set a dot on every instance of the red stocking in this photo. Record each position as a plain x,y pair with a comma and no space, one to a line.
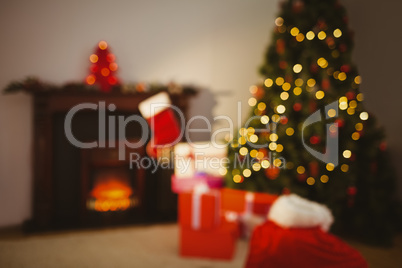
162,121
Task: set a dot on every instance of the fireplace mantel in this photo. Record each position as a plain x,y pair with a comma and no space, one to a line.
46,106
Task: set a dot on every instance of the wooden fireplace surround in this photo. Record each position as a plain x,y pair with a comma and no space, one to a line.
47,104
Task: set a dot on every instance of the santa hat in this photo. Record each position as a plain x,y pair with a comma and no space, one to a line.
294,211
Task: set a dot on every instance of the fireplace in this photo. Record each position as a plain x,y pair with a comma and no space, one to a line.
75,188
112,191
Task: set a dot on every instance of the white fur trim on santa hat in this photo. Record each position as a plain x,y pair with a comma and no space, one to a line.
294,211
154,105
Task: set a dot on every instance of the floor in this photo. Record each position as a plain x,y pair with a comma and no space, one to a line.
147,246
135,246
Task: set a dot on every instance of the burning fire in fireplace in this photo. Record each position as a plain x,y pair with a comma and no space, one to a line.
111,194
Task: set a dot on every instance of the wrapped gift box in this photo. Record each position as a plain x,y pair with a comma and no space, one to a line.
250,209
199,211
246,202
217,243
180,185
201,157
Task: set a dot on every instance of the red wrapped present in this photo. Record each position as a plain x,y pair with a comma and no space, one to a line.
246,202
180,185
274,246
249,208
199,210
217,243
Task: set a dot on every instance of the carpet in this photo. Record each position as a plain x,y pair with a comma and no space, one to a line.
135,246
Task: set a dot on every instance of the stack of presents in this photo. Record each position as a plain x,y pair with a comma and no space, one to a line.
284,231
212,218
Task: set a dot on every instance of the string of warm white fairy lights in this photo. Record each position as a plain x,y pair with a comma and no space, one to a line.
349,102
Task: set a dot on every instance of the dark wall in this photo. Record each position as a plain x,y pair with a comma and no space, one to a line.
378,54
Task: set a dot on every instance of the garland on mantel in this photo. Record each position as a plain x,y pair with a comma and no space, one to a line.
34,85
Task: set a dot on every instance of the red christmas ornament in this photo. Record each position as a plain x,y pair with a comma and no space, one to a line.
297,106
283,65
302,177
280,46
350,95
272,172
383,146
284,120
264,152
340,122
103,68
94,68
110,58
330,42
345,68
312,106
289,78
325,84
314,168
352,190
264,133
315,139
298,6
342,48
321,24
259,93
112,80
314,68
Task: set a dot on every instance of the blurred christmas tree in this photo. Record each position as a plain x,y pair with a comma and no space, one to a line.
103,68
308,68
